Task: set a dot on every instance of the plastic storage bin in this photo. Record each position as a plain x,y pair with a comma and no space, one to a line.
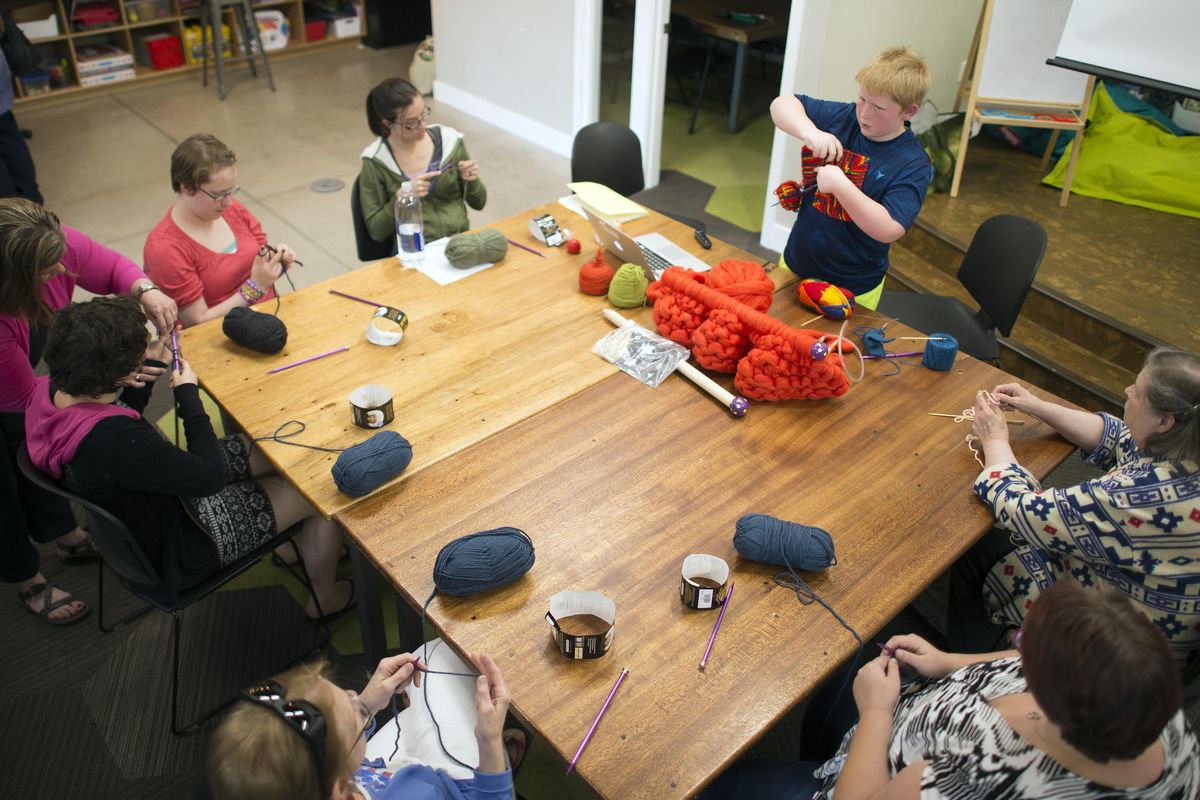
36,81
37,21
273,29
314,30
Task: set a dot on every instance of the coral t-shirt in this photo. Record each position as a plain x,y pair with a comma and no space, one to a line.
187,270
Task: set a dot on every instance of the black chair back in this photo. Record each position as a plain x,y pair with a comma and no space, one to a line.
368,248
113,539
608,153
1000,265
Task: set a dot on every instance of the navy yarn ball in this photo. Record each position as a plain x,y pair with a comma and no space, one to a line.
775,541
481,561
940,352
261,332
366,466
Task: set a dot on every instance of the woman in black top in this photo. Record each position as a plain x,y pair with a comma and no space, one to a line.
192,511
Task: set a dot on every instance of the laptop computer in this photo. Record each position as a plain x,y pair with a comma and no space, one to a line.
653,252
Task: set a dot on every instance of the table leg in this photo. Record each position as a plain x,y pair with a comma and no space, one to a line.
735,95
408,620
370,612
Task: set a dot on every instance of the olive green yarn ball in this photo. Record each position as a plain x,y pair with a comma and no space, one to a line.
472,249
628,287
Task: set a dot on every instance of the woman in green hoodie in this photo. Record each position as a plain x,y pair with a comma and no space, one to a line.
433,158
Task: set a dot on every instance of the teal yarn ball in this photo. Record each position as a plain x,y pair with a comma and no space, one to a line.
366,466
482,561
760,537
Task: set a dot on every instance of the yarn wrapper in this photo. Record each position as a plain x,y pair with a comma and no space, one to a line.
472,249
720,316
366,466
262,332
628,287
482,561
760,537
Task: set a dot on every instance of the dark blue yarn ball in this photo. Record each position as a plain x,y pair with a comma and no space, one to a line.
481,561
940,352
366,466
759,537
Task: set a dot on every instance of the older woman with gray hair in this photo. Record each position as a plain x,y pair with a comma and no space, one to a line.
1135,528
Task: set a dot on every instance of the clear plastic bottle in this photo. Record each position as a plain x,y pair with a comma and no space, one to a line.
410,239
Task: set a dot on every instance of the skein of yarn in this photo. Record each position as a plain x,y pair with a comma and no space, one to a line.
472,249
595,276
481,561
366,466
744,281
874,340
760,537
628,287
261,332
940,352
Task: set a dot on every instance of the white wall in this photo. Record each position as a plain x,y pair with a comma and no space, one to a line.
516,64
828,42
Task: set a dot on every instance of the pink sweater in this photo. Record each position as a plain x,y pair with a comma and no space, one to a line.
52,434
187,270
90,265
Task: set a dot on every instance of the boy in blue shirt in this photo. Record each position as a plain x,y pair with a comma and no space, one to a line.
871,178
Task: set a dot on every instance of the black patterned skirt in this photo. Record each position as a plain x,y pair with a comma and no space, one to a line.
239,518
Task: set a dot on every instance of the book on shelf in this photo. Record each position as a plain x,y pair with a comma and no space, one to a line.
93,58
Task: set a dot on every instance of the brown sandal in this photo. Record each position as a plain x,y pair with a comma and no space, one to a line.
46,590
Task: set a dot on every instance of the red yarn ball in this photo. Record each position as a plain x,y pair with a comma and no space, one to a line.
595,276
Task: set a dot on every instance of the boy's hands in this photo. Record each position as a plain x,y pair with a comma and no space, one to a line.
831,179
824,146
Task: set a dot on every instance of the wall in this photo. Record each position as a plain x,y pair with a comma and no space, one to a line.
832,43
516,63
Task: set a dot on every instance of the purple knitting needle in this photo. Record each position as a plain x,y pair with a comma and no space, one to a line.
530,249
588,737
359,299
717,626
896,355
306,360
175,348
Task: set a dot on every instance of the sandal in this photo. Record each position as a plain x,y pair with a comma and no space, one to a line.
81,553
47,591
285,564
332,615
516,744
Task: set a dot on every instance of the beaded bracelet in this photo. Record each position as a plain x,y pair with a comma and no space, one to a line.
251,292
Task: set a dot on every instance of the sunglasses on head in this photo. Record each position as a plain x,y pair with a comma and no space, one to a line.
299,715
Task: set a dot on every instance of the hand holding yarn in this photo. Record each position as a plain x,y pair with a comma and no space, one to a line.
185,374
267,267
877,685
988,423
1015,397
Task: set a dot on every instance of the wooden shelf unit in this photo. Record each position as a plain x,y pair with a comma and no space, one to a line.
124,35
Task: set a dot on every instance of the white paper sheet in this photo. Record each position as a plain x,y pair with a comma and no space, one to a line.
437,266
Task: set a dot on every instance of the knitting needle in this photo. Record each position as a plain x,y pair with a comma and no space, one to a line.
921,338
955,416
175,348
898,355
717,626
887,648
359,299
306,360
809,322
588,736
528,249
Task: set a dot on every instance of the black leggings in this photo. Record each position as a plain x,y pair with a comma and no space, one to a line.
969,629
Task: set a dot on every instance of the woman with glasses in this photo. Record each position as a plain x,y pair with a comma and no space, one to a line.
299,736
209,253
433,158
41,263
192,512
1087,706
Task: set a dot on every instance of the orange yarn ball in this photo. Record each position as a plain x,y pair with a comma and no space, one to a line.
595,276
744,281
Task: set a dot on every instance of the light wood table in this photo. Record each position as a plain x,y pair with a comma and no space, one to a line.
479,355
712,16
617,484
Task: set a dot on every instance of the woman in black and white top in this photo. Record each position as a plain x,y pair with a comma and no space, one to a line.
1087,707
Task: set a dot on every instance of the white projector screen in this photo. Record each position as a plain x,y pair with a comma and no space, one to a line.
1151,42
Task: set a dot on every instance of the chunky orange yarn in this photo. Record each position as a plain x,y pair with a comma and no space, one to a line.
596,275
772,360
678,315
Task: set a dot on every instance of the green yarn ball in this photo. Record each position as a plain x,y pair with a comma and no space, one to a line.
472,249
628,287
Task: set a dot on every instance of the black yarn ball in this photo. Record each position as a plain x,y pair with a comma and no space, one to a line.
261,332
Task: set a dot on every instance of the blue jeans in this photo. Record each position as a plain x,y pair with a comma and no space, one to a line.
770,780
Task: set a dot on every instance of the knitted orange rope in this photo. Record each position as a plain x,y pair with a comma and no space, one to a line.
772,360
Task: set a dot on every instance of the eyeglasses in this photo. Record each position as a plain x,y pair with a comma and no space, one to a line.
223,196
414,123
299,715
366,715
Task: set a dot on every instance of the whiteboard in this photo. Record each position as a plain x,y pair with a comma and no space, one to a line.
1154,39
1022,35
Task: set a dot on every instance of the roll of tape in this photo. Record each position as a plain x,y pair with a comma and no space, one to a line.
387,326
583,623
371,406
703,582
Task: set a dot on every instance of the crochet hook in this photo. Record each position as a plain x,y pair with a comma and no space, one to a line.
528,249
588,736
306,360
717,626
359,299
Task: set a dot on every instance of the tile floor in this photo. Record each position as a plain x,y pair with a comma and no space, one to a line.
104,162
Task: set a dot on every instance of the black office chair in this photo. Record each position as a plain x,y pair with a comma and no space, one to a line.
121,552
693,55
611,154
368,248
998,271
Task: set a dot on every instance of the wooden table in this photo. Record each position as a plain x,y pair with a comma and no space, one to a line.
618,483
479,355
712,16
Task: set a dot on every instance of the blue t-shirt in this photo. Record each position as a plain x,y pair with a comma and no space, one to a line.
420,782
832,249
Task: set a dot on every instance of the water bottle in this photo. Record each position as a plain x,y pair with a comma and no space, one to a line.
410,241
